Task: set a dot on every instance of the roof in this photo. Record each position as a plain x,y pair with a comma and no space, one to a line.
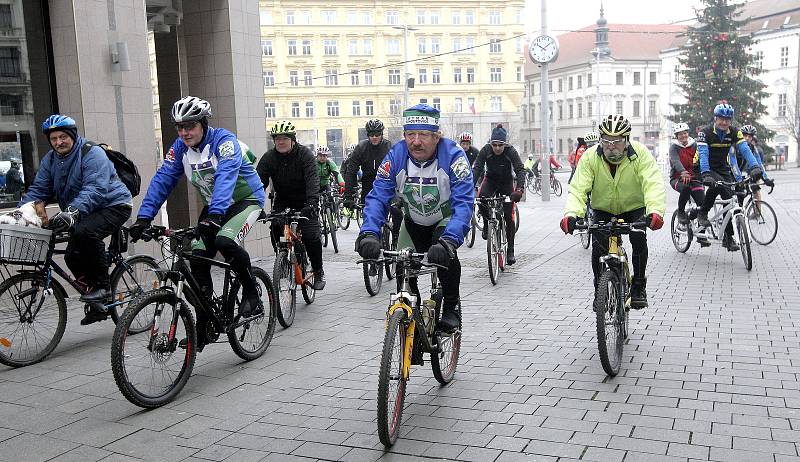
626,41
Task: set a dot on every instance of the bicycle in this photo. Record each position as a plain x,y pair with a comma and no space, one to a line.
515,216
586,238
148,367
410,332
328,219
762,222
33,307
469,239
496,239
725,211
292,267
612,301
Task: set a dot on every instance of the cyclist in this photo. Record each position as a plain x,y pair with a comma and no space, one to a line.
328,170
749,133
574,156
295,180
215,162
591,139
94,203
501,162
431,175
685,172
624,182
714,143
465,141
529,163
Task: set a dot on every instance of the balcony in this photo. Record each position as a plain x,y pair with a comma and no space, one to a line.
20,79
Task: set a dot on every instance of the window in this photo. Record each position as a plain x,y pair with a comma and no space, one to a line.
589,80
589,108
518,16
356,108
290,17
331,78
434,45
518,45
354,78
328,16
423,101
759,60
494,74
291,45
456,75
469,17
580,82
392,17
264,15
637,112
304,17
368,77
329,46
306,47
456,44
784,57
420,16
519,73
456,18
352,17
436,76
459,105
367,47
652,78
423,76
549,86
494,45
434,17
494,17
651,107
782,105
471,105
561,145
394,76
369,108
637,78
353,47
496,103
569,83
333,108
580,110
266,47
560,111
269,110
422,45
392,46
366,18
295,109
269,77
307,79
619,78
560,85
571,110
470,75
469,46
619,107
293,78
394,106
309,109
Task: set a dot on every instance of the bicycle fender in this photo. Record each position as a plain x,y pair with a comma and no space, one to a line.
55,284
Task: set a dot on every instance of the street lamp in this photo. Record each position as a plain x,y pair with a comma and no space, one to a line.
405,30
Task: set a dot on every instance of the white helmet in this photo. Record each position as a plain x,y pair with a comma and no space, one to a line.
190,109
680,127
323,150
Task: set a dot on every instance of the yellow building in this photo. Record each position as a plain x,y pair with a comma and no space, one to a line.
331,66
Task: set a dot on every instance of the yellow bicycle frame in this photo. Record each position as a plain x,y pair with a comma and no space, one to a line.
401,305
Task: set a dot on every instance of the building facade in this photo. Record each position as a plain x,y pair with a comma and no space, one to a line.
331,66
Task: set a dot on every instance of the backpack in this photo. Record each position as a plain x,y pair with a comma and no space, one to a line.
125,168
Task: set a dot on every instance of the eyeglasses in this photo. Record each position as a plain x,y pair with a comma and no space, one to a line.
612,142
185,125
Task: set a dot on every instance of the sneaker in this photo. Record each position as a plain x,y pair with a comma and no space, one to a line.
95,312
97,295
639,294
702,219
510,260
682,218
703,242
319,280
251,305
451,319
729,243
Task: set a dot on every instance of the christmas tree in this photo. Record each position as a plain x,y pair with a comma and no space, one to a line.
717,65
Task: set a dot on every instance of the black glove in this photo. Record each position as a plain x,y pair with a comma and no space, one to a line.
65,219
769,182
755,173
709,180
309,211
136,229
349,204
442,252
516,196
368,246
210,226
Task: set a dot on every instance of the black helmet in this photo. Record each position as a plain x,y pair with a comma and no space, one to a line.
374,126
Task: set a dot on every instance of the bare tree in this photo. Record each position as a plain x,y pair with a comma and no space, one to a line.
790,122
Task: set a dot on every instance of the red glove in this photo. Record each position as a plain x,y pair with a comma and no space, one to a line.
656,221
341,188
568,224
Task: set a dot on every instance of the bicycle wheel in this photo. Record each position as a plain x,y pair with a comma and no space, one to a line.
332,226
500,243
373,276
32,319
531,186
130,279
323,231
515,216
744,241
681,234
308,290
470,238
445,361
360,217
387,242
586,239
391,383
537,186
344,220
286,288
556,187
491,253
610,311
762,222
150,369
478,218
250,340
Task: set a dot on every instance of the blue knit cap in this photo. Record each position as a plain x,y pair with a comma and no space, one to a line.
421,117
499,134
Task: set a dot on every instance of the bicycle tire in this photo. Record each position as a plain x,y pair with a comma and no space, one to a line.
255,346
515,214
478,218
586,239
531,186
135,283
323,232
372,283
122,355
609,299
344,221
744,241
470,238
332,225
502,244
389,426
359,217
447,356
285,289
387,242
557,189
757,218
491,248
26,288
678,233
307,289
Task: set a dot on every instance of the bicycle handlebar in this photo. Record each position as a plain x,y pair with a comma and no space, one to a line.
621,226
155,231
288,213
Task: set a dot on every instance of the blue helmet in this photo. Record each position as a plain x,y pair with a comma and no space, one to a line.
723,110
58,122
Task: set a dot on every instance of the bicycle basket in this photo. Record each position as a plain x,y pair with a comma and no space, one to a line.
23,245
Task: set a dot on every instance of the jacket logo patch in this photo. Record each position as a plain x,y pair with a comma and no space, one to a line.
170,157
385,168
460,168
226,149
701,137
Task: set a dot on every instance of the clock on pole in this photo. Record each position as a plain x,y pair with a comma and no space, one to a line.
543,49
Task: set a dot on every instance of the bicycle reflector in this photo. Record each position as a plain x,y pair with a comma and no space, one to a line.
5,342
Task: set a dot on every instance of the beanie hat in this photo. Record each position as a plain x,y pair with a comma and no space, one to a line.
421,117
499,134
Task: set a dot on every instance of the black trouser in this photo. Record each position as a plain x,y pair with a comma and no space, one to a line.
311,235
423,238
489,188
694,189
724,192
638,242
86,251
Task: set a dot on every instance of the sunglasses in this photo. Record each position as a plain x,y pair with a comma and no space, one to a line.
612,142
185,125
375,134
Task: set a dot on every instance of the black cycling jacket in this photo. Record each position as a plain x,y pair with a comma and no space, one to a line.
294,175
368,158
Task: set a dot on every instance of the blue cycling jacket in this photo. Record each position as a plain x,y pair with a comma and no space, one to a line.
713,148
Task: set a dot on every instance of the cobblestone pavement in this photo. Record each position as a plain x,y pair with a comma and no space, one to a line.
711,370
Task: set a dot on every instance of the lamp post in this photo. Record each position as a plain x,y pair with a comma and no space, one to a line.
405,28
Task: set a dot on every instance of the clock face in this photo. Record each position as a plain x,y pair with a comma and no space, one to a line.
543,49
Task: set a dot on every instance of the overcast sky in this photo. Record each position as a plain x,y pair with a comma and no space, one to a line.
563,15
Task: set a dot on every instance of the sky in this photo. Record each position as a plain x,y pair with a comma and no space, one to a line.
564,15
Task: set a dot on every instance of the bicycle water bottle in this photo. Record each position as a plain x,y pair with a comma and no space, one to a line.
428,314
